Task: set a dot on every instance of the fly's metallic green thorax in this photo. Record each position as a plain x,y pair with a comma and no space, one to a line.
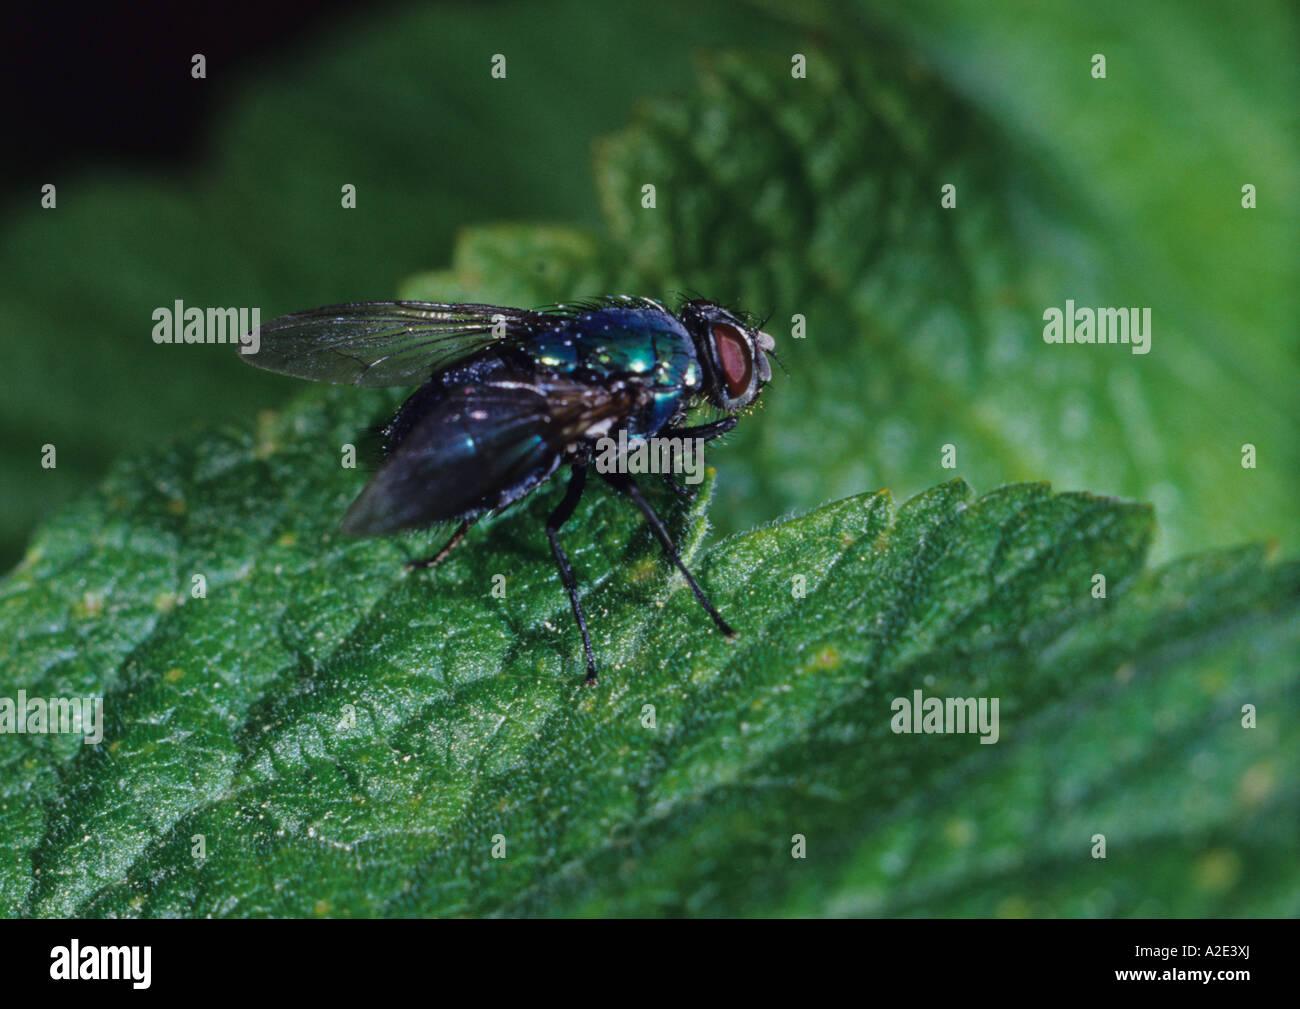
650,345
647,345
508,395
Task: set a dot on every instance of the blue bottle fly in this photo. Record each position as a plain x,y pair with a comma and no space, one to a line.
509,395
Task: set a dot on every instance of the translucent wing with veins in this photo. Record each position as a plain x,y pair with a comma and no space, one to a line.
384,343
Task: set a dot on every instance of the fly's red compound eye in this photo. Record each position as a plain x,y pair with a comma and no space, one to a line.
734,358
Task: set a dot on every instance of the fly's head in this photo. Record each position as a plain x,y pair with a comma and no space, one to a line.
732,352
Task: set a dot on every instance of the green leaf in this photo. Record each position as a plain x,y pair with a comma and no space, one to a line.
349,738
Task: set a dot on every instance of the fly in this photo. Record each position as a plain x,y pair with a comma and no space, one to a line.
507,395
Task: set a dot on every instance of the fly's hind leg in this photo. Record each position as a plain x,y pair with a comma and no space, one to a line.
441,555
562,514
622,482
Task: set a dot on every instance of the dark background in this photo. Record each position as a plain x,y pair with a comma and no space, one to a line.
89,91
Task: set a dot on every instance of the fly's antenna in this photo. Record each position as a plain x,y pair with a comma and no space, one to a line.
772,353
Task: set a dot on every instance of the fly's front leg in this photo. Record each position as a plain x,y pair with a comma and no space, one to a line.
562,514
706,432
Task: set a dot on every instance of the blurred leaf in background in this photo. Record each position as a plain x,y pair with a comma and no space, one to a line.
815,197
924,325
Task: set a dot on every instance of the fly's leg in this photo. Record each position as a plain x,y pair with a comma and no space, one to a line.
622,482
577,481
706,431
678,489
441,555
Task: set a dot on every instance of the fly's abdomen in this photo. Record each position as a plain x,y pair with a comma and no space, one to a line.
470,442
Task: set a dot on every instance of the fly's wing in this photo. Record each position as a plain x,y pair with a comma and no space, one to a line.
480,447
380,343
